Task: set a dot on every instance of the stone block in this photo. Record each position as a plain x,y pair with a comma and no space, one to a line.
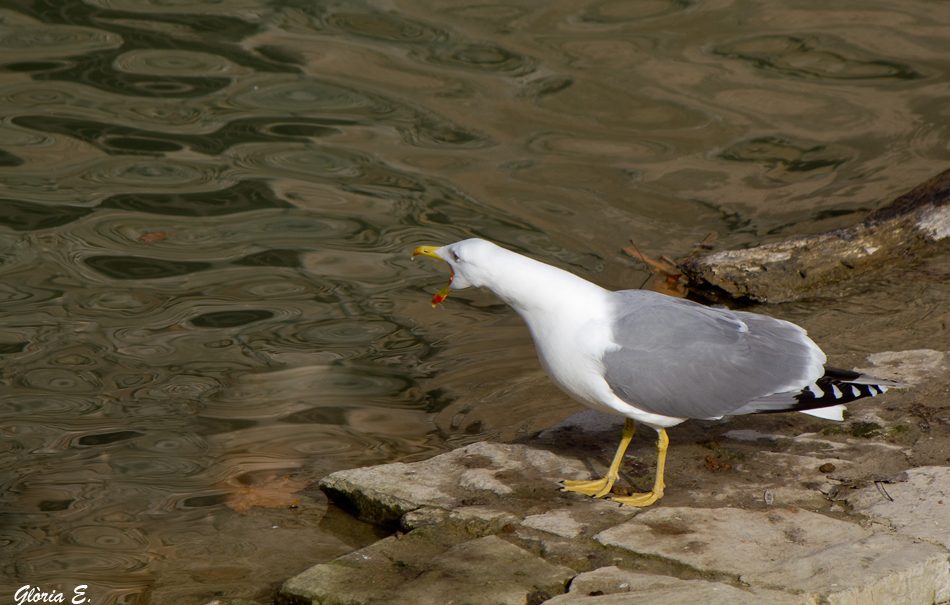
827,560
727,540
613,586
425,570
918,508
383,494
580,518
486,571
879,569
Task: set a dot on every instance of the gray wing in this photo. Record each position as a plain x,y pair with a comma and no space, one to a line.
681,359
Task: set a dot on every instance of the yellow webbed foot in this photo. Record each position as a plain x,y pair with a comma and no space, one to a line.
648,498
597,489
601,487
644,499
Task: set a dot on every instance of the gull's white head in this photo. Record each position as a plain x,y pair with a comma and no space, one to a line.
471,262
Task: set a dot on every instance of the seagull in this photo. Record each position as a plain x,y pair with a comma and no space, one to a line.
651,358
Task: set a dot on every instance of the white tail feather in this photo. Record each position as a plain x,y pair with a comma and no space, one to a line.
835,412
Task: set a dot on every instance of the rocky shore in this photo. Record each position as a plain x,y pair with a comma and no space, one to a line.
786,512
775,509
895,238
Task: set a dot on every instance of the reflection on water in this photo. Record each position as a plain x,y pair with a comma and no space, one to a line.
206,212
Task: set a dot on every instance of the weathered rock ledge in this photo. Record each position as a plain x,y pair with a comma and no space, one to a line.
892,239
836,516
487,523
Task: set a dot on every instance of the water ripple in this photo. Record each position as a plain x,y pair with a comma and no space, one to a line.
111,538
36,42
169,444
310,97
47,405
175,63
244,196
131,173
29,216
207,208
248,8
479,57
98,71
130,267
599,103
146,468
612,12
324,164
183,387
787,161
127,302
346,333
61,380
814,57
391,27
87,560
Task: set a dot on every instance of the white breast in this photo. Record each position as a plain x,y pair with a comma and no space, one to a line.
570,322
570,348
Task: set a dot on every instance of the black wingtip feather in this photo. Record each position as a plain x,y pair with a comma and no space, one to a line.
836,388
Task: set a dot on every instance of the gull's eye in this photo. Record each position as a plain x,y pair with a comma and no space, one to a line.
457,258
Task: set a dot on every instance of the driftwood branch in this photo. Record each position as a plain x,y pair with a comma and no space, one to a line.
913,226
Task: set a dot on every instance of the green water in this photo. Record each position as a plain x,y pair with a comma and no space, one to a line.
207,209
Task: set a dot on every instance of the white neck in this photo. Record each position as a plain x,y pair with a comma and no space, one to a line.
534,289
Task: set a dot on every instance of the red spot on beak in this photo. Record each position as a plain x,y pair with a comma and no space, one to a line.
431,251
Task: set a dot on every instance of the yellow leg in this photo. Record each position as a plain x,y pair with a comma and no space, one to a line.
652,496
601,487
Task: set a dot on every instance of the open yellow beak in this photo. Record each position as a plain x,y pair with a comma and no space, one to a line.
430,252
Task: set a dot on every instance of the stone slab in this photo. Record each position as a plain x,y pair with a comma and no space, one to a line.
613,586
359,576
492,572
383,494
918,508
420,570
911,367
580,518
557,522
796,477
488,524
829,561
879,569
729,541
